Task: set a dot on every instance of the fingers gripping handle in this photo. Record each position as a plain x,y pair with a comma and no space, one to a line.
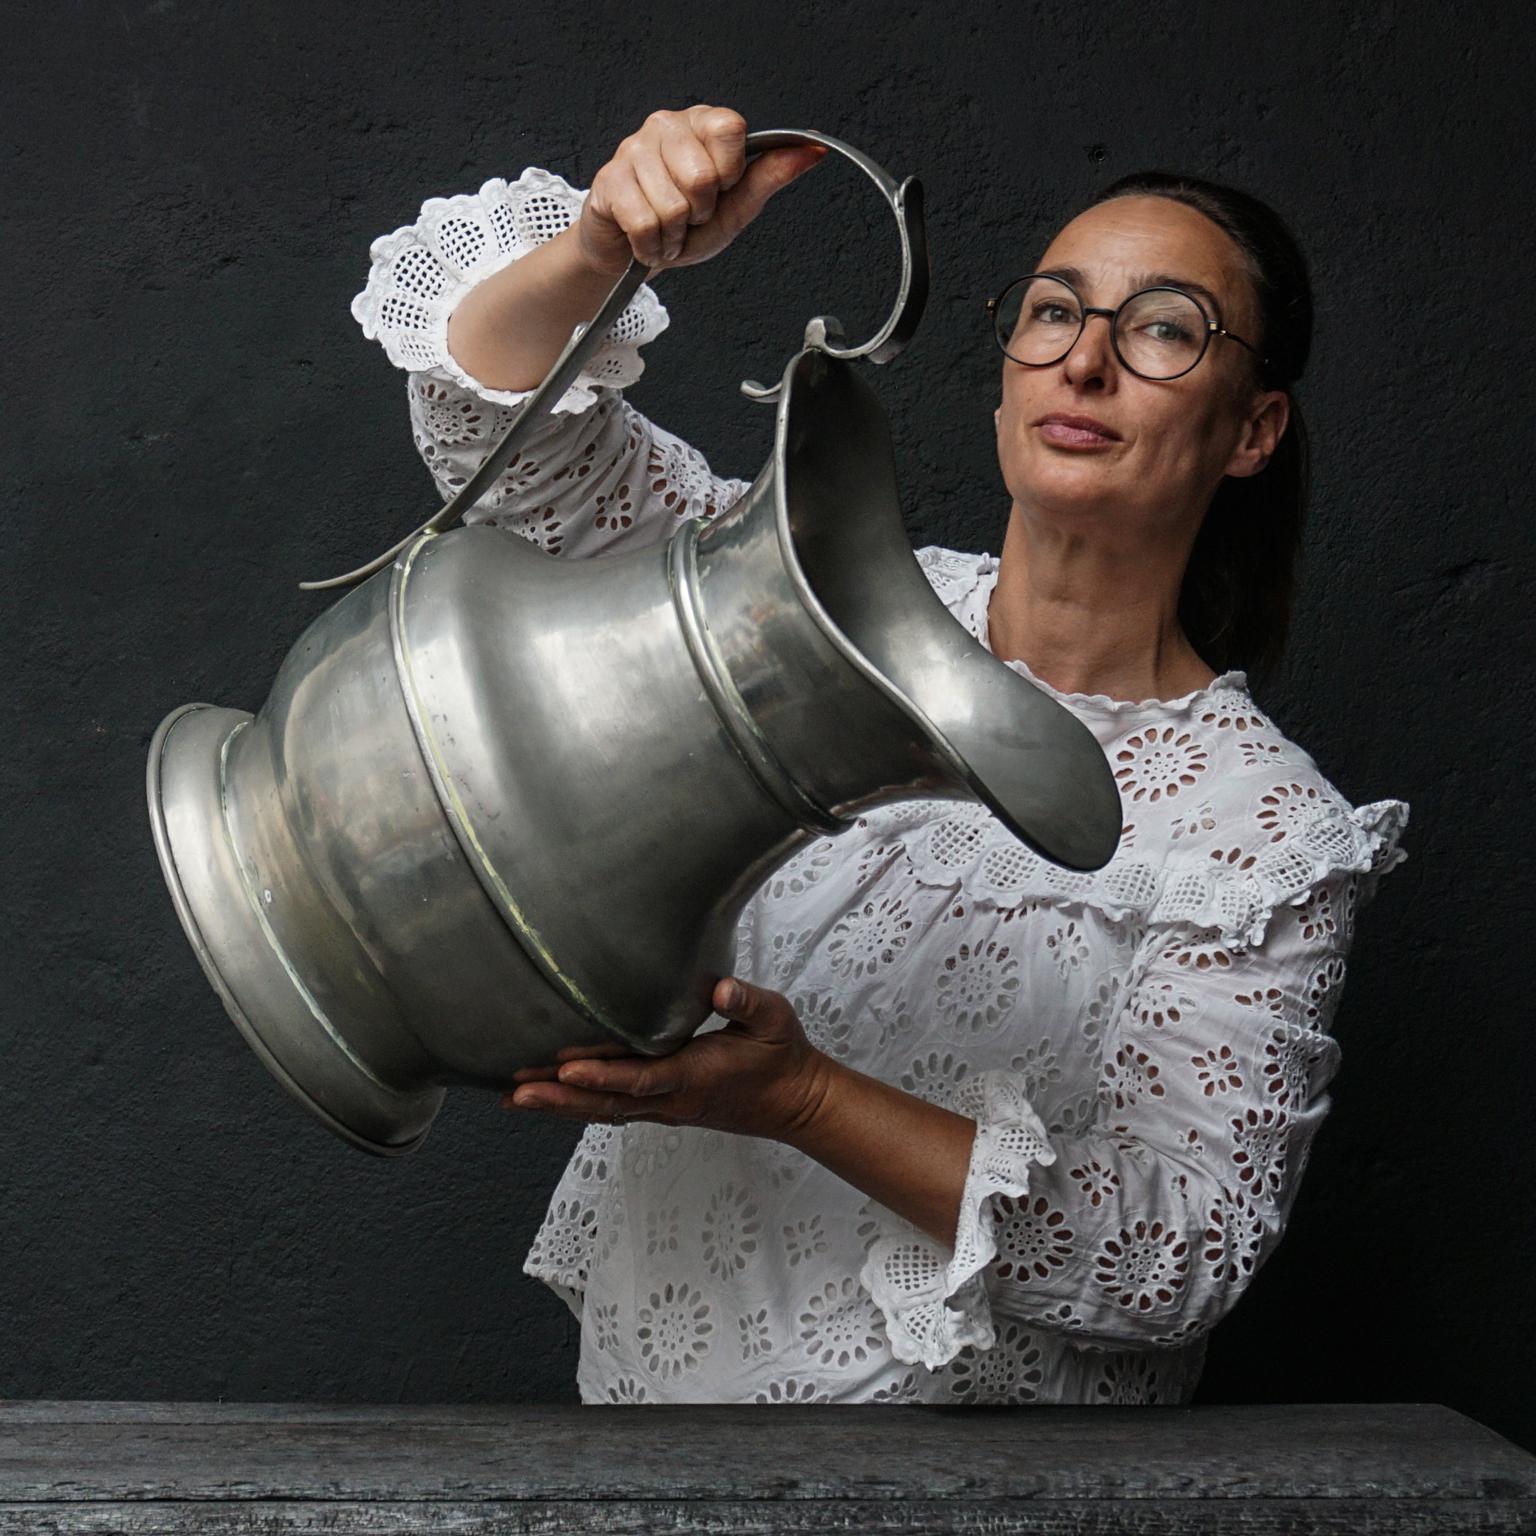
825,331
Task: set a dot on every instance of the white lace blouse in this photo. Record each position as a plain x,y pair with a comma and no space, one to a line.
1146,1050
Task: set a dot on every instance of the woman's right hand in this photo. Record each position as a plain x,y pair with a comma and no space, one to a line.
678,190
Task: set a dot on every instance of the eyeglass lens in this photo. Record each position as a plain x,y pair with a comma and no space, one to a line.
1160,333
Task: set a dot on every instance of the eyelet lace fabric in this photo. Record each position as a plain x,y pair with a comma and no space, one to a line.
1146,1049
420,272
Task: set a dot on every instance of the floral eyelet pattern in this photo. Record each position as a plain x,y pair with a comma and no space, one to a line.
839,1325
1144,1266
1143,1047
673,1329
1159,762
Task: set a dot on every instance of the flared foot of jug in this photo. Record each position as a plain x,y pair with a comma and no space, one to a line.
260,990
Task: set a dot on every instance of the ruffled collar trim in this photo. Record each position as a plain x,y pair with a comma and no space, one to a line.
1233,680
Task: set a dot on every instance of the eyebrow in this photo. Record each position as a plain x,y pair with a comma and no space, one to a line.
1143,280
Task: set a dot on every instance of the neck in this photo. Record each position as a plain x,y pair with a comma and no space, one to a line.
1090,615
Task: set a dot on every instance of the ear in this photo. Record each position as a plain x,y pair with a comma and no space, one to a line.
1262,431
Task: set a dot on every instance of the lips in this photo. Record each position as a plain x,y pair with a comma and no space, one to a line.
1078,424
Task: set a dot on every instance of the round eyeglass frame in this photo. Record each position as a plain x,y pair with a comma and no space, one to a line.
1212,327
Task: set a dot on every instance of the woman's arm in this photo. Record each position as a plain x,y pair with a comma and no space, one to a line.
595,475
910,1155
479,296
1142,1230
761,1076
509,328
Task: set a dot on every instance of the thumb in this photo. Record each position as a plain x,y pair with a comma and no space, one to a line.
771,172
742,1002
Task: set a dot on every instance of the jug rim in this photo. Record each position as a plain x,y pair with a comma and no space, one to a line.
1093,850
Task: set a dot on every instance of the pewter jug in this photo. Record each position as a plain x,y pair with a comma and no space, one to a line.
498,802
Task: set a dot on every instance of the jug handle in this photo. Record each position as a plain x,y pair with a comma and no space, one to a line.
825,332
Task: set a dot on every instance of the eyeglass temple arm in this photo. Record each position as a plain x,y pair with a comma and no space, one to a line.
1221,330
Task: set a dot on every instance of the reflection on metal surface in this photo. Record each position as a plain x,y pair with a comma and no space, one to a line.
497,803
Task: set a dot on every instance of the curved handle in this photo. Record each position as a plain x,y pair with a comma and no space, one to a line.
906,202
825,331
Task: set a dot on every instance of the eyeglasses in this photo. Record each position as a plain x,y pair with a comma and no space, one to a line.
1157,333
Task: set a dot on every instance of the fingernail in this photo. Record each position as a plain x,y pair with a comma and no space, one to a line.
734,996
575,1075
522,1099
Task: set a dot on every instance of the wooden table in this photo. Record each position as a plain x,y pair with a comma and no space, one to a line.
250,1467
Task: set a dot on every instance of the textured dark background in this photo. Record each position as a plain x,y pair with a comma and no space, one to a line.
195,423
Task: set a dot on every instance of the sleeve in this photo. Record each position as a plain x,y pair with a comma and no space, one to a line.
596,474
578,1217
1145,1228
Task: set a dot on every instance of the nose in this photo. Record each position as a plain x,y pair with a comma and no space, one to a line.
1092,357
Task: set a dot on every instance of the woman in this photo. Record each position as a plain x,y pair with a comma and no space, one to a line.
967,1126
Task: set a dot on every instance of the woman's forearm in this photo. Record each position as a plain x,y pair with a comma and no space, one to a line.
763,1077
510,327
910,1155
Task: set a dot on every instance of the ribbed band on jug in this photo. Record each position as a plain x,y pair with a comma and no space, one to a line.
330,969
810,620
822,741
373,896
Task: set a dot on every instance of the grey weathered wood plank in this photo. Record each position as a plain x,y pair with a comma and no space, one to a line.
1157,1517
676,1451
118,1411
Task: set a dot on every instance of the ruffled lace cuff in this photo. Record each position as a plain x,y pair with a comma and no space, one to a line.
421,272
934,1300
561,1254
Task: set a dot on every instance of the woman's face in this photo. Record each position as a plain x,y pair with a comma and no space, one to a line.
1174,439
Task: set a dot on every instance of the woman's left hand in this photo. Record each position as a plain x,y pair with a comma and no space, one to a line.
758,1076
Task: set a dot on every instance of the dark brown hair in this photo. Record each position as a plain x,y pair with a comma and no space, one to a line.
1235,601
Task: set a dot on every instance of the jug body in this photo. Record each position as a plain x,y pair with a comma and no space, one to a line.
499,802
328,899
583,763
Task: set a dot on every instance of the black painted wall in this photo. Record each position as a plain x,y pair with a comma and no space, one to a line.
194,423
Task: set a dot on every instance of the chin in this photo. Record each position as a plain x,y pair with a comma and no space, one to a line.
1081,486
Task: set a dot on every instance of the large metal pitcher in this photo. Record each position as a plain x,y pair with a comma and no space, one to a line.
498,802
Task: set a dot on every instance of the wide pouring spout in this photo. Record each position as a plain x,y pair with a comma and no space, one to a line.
999,738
